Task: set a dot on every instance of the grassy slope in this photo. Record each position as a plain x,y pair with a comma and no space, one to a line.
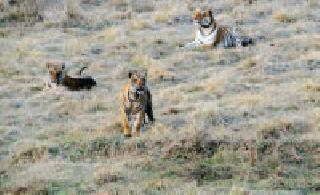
209,105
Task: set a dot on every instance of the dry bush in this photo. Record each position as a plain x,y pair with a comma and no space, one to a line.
239,2
143,60
142,6
315,118
284,17
139,24
120,2
273,129
238,190
312,89
33,155
214,86
313,3
4,32
248,63
158,184
104,178
161,17
122,15
158,74
73,9
310,57
23,11
312,86
110,34
2,5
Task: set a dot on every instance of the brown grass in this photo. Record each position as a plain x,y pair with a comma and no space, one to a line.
228,121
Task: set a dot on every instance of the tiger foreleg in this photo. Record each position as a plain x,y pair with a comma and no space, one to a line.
138,123
149,109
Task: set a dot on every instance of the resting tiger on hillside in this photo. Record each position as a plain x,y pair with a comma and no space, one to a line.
209,34
135,102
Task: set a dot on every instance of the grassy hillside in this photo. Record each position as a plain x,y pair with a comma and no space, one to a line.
228,121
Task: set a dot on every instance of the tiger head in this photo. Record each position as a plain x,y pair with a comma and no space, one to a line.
56,71
204,18
137,84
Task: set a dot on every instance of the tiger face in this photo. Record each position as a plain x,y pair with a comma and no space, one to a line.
137,82
204,18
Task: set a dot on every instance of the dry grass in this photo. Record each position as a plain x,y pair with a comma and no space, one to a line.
161,17
313,3
73,9
249,63
139,24
284,17
228,121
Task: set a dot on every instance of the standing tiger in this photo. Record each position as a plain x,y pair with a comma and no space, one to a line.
210,34
135,102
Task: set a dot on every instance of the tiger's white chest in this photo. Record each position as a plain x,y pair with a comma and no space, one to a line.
206,38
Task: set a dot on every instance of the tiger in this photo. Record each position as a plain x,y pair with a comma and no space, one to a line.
209,34
135,103
58,76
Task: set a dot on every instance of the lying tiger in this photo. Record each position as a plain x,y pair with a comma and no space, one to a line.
58,76
135,102
209,34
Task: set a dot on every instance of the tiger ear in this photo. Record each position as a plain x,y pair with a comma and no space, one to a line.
197,14
48,65
129,74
